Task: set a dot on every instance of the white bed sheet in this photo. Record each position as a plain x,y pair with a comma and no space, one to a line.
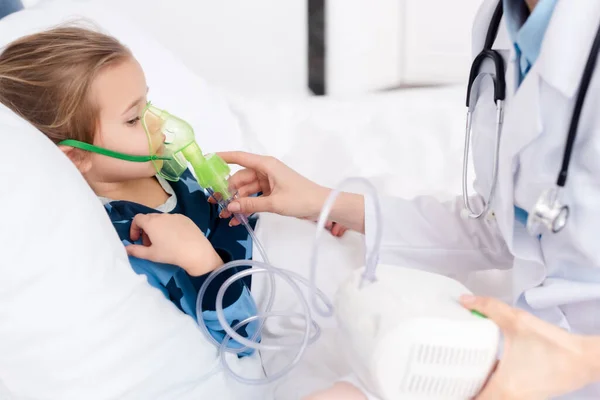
407,142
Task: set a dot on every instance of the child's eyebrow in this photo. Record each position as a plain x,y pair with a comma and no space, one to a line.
136,102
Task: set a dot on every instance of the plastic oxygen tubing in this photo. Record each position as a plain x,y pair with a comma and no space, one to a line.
311,328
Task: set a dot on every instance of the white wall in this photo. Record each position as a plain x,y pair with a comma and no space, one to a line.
437,40
387,43
249,46
363,45
260,46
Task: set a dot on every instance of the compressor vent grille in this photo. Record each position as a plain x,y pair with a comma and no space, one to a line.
429,363
434,385
449,356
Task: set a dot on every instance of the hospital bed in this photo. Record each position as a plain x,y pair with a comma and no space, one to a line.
406,142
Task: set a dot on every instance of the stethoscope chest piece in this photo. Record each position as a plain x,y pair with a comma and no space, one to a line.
548,213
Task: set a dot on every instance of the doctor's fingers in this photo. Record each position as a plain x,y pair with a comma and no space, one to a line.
246,182
265,164
267,168
249,189
251,205
505,316
244,191
490,388
242,178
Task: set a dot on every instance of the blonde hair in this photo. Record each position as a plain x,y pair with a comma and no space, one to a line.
46,78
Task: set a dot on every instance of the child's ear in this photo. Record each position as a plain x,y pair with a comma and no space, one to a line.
80,158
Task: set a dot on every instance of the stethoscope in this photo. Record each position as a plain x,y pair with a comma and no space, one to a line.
549,212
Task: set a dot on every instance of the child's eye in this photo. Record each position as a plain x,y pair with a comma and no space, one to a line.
132,122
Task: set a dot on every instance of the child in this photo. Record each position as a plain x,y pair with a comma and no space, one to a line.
73,83
76,84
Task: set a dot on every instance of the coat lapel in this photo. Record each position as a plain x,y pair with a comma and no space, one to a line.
522,124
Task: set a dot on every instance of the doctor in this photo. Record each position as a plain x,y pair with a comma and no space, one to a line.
545,48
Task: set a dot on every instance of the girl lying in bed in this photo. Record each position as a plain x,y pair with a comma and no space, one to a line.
76,84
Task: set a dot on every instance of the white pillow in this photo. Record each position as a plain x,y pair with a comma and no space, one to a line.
172,85
75,321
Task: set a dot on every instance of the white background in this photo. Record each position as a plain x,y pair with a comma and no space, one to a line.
260,46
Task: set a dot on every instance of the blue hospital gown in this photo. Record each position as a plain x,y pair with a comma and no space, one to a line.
231,243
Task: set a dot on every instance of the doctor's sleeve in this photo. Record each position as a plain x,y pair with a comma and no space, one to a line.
427,234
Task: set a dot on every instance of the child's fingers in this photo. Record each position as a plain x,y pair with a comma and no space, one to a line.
336,230
339,230
235,222
225,214
138,251
137,225
134,233
146,239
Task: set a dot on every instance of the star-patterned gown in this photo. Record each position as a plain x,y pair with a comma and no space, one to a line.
232,243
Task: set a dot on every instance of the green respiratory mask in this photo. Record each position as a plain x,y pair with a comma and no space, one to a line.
172,145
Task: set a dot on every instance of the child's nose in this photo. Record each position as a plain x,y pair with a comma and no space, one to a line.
154,124
156,127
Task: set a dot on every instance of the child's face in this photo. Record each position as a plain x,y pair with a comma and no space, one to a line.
120,95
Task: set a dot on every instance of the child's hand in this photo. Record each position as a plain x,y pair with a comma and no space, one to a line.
173,239
336,229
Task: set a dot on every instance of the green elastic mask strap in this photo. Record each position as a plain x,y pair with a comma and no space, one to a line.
109,153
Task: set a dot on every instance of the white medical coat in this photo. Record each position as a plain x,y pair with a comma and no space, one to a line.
557,277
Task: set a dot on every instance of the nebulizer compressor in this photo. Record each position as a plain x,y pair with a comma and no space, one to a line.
403,331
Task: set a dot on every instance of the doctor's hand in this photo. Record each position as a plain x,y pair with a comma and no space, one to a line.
173,239
540,360
286,192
